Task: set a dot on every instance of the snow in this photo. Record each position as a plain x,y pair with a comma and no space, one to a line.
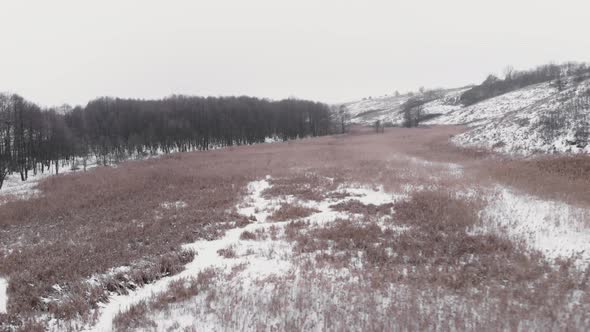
557,229
173,205
452,168
271,140
3,295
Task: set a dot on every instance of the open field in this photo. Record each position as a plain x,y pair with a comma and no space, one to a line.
361,231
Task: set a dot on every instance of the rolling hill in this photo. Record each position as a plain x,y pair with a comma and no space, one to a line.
549,117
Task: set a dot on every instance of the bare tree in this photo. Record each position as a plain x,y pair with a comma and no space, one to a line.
508,72
379,128
412,112
344,117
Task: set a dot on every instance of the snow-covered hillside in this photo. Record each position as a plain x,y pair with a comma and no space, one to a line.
367,111
388,109
495,108
538,118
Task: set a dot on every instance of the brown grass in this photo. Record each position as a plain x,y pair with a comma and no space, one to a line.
85,224
302,185
138,315
292,211
433,273
436,250
565,178
357,207
228,252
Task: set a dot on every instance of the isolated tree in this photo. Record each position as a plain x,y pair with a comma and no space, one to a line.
508,72
412,112
377,125
344,117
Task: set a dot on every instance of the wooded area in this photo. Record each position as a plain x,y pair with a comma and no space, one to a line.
33,139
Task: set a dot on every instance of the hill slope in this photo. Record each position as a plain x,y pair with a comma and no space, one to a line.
538,118
388,109
548,121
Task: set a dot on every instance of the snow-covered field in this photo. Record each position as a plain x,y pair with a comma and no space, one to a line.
248,279
262,259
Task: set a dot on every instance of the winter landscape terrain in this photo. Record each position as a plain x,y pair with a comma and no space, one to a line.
470,210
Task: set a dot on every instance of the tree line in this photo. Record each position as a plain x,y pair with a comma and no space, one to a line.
513,80
33,139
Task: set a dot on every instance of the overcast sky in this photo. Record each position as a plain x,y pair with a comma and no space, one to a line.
55,52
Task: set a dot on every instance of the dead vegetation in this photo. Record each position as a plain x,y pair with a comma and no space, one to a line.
87,224
138,315
292,211
303,185
437,252
422,270
565,178
357,207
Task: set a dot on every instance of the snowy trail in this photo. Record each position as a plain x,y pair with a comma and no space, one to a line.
206,257
3,295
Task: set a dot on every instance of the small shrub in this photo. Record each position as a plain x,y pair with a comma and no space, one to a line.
228,252
247,235
291,212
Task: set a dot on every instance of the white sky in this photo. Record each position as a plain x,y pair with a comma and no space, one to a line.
59,51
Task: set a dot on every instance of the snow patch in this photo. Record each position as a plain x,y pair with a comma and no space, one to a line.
555,228
3,295
173,205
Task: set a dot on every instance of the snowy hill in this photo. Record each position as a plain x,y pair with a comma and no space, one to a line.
388,109
539,118
367,111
